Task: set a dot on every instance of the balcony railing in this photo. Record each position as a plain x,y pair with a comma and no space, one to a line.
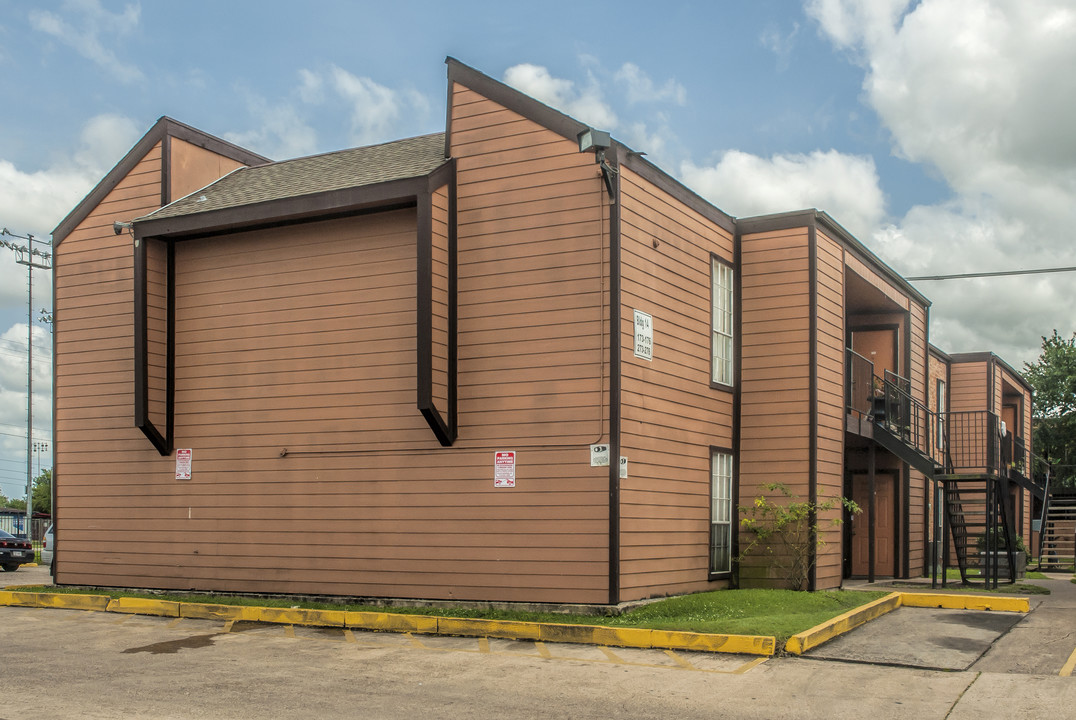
965,442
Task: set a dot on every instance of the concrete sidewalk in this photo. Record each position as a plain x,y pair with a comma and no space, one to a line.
1041,642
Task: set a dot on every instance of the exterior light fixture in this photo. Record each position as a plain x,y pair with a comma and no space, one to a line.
591,139
599,141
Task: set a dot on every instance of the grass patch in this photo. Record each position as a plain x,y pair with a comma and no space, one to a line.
780,613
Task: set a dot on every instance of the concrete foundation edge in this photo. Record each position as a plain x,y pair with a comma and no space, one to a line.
390,622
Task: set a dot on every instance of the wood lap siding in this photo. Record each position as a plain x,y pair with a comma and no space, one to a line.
533,360
157,331
192,167
775,395
440,301
969,389
830,368
670,415
94,383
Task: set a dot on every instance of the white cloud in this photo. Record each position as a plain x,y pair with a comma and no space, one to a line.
90,30
586,104
13,400
779,44
376,110
641,88
34,202
845,186
979,90
282,132
587,101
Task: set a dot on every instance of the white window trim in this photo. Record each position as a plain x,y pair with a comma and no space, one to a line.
722,513
722,322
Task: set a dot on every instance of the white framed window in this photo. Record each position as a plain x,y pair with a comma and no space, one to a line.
721,512
721,316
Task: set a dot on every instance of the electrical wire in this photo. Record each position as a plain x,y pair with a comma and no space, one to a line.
997,273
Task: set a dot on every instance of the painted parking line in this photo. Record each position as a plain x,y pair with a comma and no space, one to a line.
1066,670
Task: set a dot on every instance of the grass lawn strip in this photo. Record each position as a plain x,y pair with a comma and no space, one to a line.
774,613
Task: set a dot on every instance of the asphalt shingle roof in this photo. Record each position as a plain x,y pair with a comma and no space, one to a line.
398,160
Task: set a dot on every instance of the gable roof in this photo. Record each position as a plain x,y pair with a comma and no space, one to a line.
339,170
569,128
164,127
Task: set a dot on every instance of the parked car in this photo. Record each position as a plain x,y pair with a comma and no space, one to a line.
48,545
14,551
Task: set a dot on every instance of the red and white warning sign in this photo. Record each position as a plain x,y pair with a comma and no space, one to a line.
183,463
504,469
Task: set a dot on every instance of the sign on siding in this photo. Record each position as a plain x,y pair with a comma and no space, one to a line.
599,456
183,463
644,335
504,469
623,467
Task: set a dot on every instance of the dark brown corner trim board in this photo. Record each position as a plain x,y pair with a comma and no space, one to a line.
165,127
443,423
410,192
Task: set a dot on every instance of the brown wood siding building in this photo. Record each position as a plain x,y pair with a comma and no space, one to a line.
776,383
101,456
347,343
671,416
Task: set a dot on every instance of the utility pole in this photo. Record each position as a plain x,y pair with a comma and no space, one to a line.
32,258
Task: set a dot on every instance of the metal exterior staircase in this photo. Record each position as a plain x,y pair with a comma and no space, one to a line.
1058,548
980,530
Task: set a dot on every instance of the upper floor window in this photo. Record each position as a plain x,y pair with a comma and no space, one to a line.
721,313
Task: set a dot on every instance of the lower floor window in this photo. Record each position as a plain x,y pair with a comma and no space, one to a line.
720,512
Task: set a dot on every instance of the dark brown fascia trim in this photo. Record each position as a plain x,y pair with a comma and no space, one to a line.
170,349
512,99
166,170
812,381
814,218
164,127
869,258
55,405
141,353
300,208
615,352
444,430
670,185
991,357
737,378
776,221
569,128
938,352
213,144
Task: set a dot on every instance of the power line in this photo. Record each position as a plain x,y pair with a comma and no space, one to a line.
998,273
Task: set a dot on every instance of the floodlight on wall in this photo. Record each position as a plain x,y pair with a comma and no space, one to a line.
591,139
599,141
118,227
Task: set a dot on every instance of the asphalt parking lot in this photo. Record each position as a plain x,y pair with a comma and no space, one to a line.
96,665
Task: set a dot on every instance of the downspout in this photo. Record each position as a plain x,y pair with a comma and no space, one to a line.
612,179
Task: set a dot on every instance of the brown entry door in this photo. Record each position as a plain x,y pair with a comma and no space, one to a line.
884,498
878,346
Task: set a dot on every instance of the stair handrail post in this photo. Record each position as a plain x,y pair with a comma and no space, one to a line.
946,529
1042,517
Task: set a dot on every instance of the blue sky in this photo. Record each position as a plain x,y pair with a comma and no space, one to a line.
939,132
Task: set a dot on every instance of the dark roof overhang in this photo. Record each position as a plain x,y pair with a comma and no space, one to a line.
569,128
303,208
164,127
